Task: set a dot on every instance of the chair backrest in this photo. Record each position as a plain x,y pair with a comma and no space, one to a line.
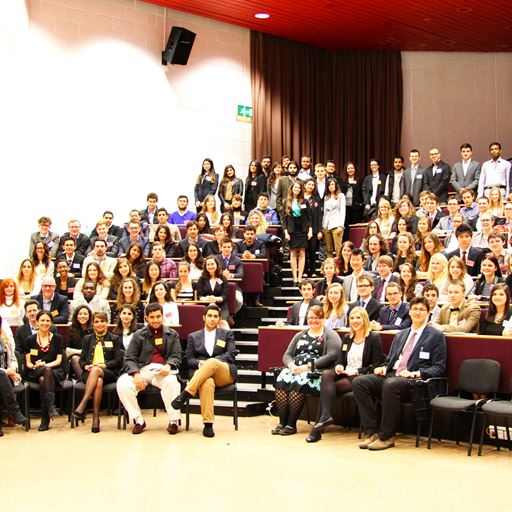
480,376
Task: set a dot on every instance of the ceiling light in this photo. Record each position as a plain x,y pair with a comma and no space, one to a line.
262,15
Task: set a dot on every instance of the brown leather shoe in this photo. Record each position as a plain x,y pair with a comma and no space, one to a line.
138,428
369,440
378,444
173,428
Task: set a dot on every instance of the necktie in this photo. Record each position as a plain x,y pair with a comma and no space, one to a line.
363,303
464,257
392,316
406,352
226,262
381,289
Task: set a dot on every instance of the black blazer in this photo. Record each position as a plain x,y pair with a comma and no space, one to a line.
253,188
235,265
204,187
438,183
112,351
372,352
182,247
82,244
479,285
357,192
474,259
486,327
59,309
367,188
294,315
394,279
403,315
75,267
316,205
321,286
305,219
22,333
112,245
70,287
258,248
220,290
211,247
223,350
372,308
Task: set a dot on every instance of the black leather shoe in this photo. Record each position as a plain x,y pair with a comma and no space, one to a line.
276,431
327,422
314,436
180,400
288,431
19,419
80,416
208,430
95,429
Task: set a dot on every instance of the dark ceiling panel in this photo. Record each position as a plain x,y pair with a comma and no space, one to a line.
413,25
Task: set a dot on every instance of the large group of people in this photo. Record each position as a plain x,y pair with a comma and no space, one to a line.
426,261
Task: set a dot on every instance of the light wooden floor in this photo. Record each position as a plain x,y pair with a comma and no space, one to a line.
244,470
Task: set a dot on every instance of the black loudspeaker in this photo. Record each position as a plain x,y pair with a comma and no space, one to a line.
178,47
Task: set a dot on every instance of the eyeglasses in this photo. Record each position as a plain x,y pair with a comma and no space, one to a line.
363,285
419,310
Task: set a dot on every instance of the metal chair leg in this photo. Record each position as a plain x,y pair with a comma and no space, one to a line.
473,421
429,442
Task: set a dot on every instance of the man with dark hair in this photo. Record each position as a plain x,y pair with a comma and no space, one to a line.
167,265
266,163
471,256
394,179
394,316
250,248
99,255
153,357
111,241
191,238
466,172
445,223
470,209
148,214
384,277
71,257
262,206
232,267
299,310
356,263
365,288
418,352
113,230
432,209
134,237
162,219
412,182
431,293
211,363
437,176
495,173
305,171
29,326
182,215
373,187
95,303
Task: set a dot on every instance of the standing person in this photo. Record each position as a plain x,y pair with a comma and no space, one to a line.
437,176
314,348
495,173
229,185
101,359
266,161
182,215
255,184
49,239
393,181
333,223
272,181
416,353
361,351
153,357
297,229
352,188
315,205
206,183
373,188
43,360
211,363
466,172
412,183
283,187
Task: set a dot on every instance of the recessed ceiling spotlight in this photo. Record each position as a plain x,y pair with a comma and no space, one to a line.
262,15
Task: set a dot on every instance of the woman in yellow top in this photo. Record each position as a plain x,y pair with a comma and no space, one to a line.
101,360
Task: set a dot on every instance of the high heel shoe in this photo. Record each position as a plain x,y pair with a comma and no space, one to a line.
80,416
96,429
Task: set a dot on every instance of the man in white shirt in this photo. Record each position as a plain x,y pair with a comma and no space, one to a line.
305,170
99,255
466,172
393,180
95,302
495,173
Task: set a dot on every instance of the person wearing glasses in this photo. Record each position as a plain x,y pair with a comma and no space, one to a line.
365,289
418,352
395,316
481,239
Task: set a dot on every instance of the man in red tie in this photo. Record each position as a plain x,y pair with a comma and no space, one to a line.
416,353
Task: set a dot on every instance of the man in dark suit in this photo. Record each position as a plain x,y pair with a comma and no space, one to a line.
111,241
384,277
412,182
432,209
373,187
365,289
396,315
149,213
471,256
211,360
300,309
466,172
29,326
113,230
153,357
71,256
437,176
416,353
191,238
251,248
81,240
55,304
232,268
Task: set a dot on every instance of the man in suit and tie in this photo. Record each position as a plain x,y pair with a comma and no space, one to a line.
191,238
71,257
466,172
459,315
384,277
396,315
232,268
300,309
111,241
49,238
437,176
373,187
471,256
211,360
412,182
432,210
81,240
416,353
365,288
446,222
55,304
356,263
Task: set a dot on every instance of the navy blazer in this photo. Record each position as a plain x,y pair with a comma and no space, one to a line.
474,259
403,315
59,309
235,265
82,244
372,352
258,248
428,355
223,350
373,308
220,289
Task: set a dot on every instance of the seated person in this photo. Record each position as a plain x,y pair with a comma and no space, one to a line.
11,304
350,281
112,229
335,307
262,206
111,241
167,266
70,255
489,278
405,252
65,282
211,362
480,239
329,270
396,315
432,210
300,309
212,248
416,353
446,222
497,318
450,242
50,239
99,255
250,248
162,218
53,303
365,288
239,216
431,293
182,215
231,268
497,242
81,240
384,277
212,286
471,256
136,217
483,207
134,237
361,351
128,293
93,273
153,357
191,238
470,209
377,246
29,326
149,214
161,294
459,315
96,303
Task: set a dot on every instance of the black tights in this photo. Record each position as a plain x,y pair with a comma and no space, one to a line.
94,388
331,385
74,361
47,382
289,404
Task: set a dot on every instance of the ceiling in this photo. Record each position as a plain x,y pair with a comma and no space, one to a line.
412,25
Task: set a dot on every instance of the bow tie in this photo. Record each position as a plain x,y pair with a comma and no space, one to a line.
454,309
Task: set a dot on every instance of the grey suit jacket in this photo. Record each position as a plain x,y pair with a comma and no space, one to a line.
415,188
459,181
51,241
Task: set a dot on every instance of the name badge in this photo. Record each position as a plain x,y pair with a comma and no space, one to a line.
398,321
219,280
344,348
419,176
34,352
49,244
221,343
158,341
207,178
424,355
302,206
55,312
470,263
75,265
257,252
231,267
109,344
109,244
379,182
168,314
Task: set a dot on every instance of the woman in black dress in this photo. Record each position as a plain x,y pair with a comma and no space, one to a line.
43,360
101,359
352,188
499,312
81,326
255,184
315,204
206,183
65,283
297,229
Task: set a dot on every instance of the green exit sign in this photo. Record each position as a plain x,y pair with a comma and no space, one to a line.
244,113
